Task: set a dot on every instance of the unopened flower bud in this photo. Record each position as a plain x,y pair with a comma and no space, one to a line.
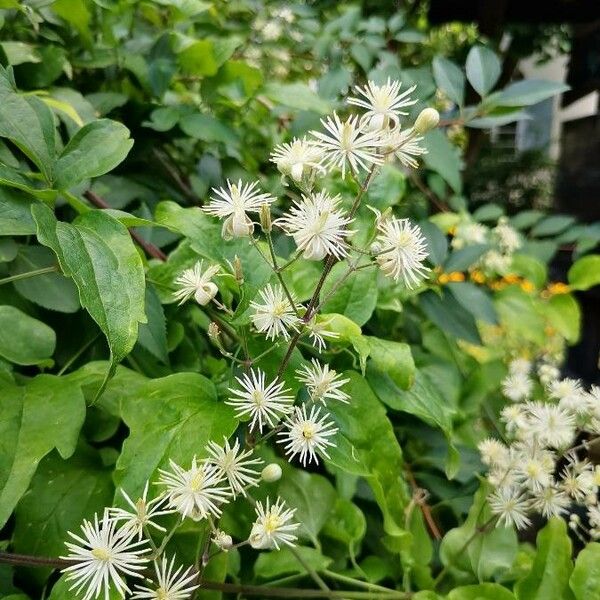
222,540
238,272
272,472
265,218
427,120
214,332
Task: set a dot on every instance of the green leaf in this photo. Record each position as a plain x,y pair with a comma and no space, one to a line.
393,359
526,218
530,268
490,552
23,339
474,300
208,129
62,591
498,120
47,413
481,591
483,69
169,418
585,579
296,95
356,297
12,178
199,59
271,565
552,566
488,212
97,252
29,124
367,447
19,52
312,496
346,523
449,315
443,158
74,12
387,188
527,92
461,260
513,301
15,213
94,150
436,242
552,225
450,79
52,290
564,315
585,273
62,494
152,336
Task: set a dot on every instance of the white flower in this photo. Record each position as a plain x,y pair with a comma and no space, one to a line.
467,234
306,434
275,315
273,526
493,452
570,395
404,145
550,502
522,366
548,373
515,418
222,540
577,478
271,31
234,464
298,158
104,555
195,492
317,332
264,403
169,585
552,425
233,203
517,387
511,506
383,103
594,516
496,262
403,250
347,143
318,227
534,467
143,512
194,282
507,237
322,382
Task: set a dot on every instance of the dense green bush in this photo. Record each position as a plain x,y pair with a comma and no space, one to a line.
134,312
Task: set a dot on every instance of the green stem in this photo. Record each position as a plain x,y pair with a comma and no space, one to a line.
78,354
357,582
278,274
314,575
29,274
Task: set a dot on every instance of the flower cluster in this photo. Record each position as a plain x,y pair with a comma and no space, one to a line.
121,543
503,240
541,467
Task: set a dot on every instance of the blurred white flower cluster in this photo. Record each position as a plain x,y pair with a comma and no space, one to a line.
503,240
541,466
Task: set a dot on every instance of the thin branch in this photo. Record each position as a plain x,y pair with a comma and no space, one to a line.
185,189
28,274
150,249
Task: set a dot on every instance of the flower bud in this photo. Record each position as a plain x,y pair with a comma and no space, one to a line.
238,272
265,218
427,120
205,293
272,472
214,332
222,540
